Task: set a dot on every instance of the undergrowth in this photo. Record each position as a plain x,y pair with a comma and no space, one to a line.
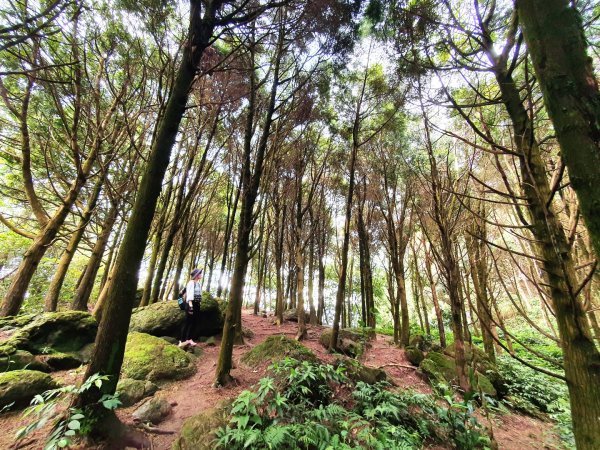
305,406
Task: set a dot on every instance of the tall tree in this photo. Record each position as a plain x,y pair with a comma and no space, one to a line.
557,44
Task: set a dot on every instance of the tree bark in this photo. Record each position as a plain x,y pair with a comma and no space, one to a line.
557,45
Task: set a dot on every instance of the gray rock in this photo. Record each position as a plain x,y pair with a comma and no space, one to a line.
132,391
154,411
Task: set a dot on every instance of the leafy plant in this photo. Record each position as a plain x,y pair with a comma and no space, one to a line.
297,410
73,422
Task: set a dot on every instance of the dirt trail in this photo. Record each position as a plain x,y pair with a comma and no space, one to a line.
197,394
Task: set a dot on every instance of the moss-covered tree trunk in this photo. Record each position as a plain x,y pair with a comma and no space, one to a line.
556,42
116,313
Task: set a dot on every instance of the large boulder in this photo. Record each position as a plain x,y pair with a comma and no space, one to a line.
359,372
438,367
132,391
350,342
414,355
55,340
276,348
166,318
292,315
442,369
20,386
482,363
198,432
151,358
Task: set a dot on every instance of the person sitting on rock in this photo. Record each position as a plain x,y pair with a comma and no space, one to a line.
193,295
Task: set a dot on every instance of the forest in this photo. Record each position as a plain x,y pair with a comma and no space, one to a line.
395,206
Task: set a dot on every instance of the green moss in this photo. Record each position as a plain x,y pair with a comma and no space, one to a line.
414,355
20,386
198,432
16,321
350,342
482,364
484,384
152,358
132,391
359,372
64,332
275,348
439,367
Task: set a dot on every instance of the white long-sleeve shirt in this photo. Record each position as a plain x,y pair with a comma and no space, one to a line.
191,288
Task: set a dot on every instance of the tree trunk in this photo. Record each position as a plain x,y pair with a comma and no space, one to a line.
311,280
341,290
51,299
557,44
84,290
20,282
434,298
250,186
231,213
109,348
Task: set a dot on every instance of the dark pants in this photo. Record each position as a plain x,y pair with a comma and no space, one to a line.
189,329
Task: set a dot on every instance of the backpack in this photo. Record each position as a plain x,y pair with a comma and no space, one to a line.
180,301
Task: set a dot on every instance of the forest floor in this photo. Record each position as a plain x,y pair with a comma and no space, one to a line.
197,394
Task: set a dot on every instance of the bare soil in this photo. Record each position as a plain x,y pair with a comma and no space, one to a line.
197,394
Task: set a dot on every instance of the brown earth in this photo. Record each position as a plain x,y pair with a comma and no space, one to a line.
195,394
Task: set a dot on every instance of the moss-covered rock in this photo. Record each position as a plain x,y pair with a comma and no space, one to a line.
438,367
153,411
276,348
132,391
485,385
85,354
198,432
166,318
152,358
7,323
359,372
414,355
21,359
52,335
482,363
20,386
422,342
62,332
60,361
442,369
350,342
